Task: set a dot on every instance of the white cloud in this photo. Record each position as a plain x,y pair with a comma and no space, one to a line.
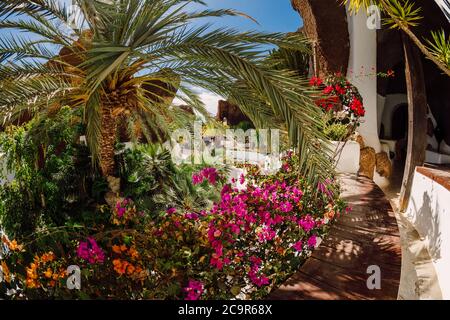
211,101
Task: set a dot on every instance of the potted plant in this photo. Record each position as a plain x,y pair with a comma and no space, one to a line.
343,108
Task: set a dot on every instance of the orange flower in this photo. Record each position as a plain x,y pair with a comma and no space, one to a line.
330,213
14,246
32,275
62,273
123,247
31,271
48,257
48,273
30,283
130,269
116,249
117,262
133,253
120,266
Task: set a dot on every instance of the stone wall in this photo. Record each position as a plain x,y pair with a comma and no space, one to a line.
231,113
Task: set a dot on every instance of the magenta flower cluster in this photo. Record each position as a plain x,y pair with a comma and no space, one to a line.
90,251
121,207
210,174
193,290
323,188
267,214
259,279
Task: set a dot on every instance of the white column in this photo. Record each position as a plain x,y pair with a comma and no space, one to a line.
361,72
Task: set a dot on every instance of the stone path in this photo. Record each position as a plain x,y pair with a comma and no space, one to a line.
366,236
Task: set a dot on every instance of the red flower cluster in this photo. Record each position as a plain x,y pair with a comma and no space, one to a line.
338,92
315,82
357,107
328,104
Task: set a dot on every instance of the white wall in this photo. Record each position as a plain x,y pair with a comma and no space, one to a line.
363,58
429,211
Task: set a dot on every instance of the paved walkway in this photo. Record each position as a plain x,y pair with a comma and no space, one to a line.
366,236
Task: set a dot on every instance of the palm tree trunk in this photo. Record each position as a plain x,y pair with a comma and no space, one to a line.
108,140
417,114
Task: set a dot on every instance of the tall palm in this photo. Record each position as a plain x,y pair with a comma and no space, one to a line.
124,58
405,15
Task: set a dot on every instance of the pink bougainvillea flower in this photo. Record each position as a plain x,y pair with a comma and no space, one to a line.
257,277
298,246
307,223
171,210
121,208
90,251
242,179
216,262
286,206
194,290
191,216
197,179
321,187
121,212
312,241
209,174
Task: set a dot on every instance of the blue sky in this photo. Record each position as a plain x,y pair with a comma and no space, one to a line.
272,15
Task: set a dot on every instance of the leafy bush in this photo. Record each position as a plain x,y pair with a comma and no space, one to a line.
52,174
154,183
243,245
336,131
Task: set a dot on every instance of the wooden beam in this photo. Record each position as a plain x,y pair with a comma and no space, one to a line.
417,117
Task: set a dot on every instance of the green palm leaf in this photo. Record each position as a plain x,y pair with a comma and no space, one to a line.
120,48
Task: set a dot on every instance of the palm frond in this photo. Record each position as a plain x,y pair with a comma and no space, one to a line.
130,43
404,12
440,46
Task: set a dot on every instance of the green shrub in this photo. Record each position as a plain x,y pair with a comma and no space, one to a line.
336,131
244,245
52,174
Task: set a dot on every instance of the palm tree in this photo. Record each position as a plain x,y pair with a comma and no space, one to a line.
404,15
129,58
